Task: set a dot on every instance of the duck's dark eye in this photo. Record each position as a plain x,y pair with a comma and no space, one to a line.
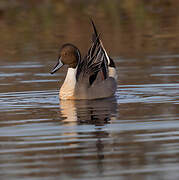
64,54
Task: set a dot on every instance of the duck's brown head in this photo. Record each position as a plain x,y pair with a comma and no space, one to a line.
69,55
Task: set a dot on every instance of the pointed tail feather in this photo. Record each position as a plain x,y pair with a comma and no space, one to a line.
94,27
95,36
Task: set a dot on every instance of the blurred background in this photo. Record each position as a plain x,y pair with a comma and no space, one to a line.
134,28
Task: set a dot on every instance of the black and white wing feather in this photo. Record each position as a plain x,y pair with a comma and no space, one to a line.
95,62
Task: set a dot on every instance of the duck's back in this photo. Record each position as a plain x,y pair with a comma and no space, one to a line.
93,77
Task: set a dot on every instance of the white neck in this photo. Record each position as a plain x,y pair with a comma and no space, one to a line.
68,87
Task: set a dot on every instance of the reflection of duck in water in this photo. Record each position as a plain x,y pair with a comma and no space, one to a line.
92,77
96,112
68,111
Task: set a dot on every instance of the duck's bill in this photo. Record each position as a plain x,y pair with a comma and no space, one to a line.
57,66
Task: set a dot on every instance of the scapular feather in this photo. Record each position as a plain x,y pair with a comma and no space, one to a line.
94,61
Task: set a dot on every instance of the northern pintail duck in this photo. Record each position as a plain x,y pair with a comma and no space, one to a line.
91,77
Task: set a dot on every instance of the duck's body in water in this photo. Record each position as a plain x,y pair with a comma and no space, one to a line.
92,77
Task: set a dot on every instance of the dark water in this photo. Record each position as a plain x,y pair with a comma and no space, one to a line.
132,136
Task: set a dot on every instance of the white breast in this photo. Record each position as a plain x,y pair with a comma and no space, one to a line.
68,87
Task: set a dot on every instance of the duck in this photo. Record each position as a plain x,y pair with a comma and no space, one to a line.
92,77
